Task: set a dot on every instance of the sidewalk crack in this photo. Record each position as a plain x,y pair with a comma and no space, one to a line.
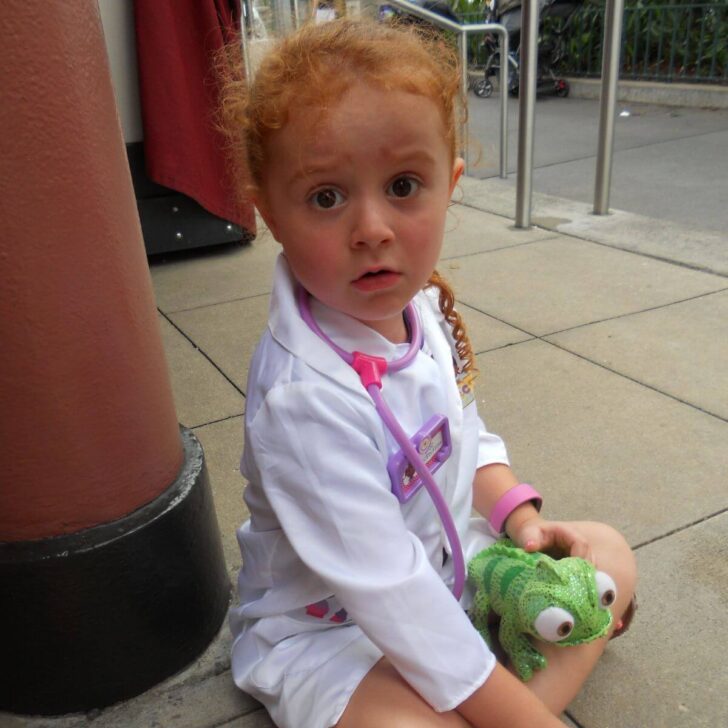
680,529
202,352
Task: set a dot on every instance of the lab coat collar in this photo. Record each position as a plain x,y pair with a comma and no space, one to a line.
291,331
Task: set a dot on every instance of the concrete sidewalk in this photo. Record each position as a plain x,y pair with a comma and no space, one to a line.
668,163
603,364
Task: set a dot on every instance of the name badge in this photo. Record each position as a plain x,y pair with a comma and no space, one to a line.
465,386
432,442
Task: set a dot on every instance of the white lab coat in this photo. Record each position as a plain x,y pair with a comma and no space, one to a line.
336,572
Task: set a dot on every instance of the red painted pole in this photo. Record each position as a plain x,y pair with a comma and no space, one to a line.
89,430
111,565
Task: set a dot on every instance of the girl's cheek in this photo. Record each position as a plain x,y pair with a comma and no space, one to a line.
427,225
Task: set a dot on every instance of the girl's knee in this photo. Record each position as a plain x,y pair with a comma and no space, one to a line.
615,557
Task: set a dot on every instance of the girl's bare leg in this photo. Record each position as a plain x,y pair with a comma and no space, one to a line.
569,667
383,698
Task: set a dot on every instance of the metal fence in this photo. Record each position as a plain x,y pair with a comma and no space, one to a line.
685,43
673,42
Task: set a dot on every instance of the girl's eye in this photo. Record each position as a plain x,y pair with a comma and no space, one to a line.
327,198
403,187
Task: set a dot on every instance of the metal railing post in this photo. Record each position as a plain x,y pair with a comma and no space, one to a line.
503,83
246,27
463,47
526,111
610,76
283,17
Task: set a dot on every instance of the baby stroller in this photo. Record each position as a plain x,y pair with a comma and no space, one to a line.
439,7
550,49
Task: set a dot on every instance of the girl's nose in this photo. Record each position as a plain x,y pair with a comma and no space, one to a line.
371,224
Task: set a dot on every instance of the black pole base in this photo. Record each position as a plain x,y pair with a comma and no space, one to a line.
102,615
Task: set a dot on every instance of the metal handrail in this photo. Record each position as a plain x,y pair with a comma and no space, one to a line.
463,32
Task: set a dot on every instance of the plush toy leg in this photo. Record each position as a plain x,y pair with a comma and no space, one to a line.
524,656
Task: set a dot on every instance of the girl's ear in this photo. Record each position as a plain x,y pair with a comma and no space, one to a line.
458,167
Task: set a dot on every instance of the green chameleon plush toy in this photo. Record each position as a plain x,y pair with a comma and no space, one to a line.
564,601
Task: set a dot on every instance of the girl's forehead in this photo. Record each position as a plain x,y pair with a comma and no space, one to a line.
359,136
359,109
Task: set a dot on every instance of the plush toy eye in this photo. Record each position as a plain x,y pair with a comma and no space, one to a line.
606,588
554,624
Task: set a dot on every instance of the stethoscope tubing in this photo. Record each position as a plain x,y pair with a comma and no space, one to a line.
428,481
415,332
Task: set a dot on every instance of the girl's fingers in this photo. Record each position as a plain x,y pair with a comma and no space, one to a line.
582,548
555,537
570,542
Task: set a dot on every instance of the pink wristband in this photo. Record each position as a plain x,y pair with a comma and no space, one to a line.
509,501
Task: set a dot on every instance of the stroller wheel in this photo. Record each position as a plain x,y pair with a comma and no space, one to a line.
562,88
483,88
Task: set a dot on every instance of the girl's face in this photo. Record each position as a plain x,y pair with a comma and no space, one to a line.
357,197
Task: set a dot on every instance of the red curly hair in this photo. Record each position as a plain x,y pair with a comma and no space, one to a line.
314,67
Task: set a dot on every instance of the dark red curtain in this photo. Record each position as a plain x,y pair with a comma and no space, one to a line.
176,42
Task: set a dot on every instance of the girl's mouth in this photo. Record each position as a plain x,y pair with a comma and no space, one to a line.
376,280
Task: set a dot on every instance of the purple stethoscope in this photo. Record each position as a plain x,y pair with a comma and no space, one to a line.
422,454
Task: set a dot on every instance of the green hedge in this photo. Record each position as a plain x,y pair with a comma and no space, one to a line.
680,41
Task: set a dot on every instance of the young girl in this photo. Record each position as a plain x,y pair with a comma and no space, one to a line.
346,615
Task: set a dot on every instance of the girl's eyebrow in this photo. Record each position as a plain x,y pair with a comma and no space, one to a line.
396,157
309,170
417,155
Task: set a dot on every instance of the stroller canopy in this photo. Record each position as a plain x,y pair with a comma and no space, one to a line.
508,12
440,7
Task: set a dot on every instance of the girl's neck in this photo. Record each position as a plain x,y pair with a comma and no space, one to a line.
394,330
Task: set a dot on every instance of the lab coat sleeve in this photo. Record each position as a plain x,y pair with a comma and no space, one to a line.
491,449
326,479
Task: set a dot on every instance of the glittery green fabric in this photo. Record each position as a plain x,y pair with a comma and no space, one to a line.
522,589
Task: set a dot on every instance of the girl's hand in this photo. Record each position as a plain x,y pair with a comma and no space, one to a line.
557,538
